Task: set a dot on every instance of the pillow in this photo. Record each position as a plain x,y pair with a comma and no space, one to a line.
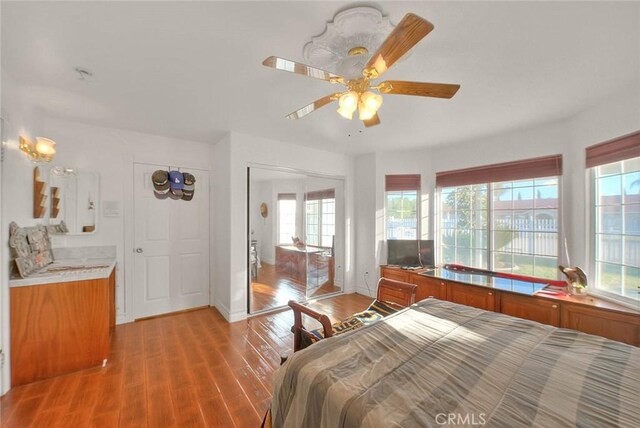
31,248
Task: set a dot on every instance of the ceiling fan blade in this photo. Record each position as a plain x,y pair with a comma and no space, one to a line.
298,68
407,33
310,108
423,89
375,120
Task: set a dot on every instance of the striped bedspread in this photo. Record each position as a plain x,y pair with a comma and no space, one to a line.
442,364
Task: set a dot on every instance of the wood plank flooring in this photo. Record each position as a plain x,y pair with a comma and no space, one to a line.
273,289
187,370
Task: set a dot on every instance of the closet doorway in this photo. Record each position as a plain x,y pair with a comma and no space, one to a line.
171,245
296,230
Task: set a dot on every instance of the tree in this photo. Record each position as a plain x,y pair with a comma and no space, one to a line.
470,208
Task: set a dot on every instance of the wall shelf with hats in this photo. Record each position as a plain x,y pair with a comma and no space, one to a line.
39,194
174,184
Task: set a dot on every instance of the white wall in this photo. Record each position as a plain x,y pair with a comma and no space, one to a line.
111,153
615,116
262,228
365,214
222,215
371,170
232,155
19,119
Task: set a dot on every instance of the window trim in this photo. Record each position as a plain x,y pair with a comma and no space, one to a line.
616,150
524,169
418,210
278,213
590,207
403,183
319,201
561,247
400,182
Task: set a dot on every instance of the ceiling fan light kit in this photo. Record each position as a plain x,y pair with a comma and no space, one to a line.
347,104
369,105
332,49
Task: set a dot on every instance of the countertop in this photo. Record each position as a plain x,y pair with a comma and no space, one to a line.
67,270
519,286
499,283
304,249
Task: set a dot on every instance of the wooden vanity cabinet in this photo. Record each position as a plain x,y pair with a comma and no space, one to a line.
60,327
470,295
112,299
544,311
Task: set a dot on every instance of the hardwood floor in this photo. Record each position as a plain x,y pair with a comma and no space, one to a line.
272,289
188,370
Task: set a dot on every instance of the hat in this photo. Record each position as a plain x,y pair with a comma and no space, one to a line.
160,180
176,182
187,195
161,194
189,187
189,178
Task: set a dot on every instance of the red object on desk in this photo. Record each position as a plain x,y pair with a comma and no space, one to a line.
479,271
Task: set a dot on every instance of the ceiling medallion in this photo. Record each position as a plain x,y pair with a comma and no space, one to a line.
349,41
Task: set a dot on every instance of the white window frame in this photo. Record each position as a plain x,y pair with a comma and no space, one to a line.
490,229
418,206
289,242
320,224
592,218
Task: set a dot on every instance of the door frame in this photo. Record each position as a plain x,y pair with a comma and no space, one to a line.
309,173
4,285
126,308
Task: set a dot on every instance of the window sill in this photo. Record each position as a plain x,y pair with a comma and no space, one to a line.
615,298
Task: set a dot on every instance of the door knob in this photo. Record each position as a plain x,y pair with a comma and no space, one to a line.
138,250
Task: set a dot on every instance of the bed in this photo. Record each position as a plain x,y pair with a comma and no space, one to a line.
438,363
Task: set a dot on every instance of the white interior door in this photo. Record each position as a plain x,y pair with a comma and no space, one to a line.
171,246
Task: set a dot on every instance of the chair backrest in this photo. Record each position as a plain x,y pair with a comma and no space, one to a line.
397,293
301,336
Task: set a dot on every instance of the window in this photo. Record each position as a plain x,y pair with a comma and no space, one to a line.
463,225
320,209
286,217
402,204
615,255
507,225
313,222
328,229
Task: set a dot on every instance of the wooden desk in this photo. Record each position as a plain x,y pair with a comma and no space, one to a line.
293,261
588,314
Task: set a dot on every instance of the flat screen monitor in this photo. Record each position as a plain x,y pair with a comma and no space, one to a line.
404,252
427,253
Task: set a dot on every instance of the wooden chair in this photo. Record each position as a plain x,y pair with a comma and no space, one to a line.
392,296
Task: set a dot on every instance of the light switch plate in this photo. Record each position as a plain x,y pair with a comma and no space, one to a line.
111,208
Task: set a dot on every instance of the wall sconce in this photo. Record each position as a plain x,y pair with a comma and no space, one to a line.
43,150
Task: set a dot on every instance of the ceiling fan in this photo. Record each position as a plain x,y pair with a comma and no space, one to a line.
358,95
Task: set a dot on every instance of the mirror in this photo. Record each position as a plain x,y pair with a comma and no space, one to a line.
73,199
296,237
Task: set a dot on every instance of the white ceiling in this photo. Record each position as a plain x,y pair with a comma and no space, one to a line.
193,69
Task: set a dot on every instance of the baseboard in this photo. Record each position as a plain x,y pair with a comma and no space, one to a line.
365,292
231,316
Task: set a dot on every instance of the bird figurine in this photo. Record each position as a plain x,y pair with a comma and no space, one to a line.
575,276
